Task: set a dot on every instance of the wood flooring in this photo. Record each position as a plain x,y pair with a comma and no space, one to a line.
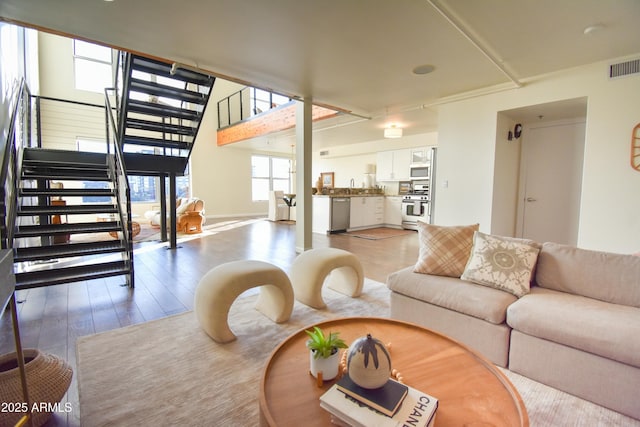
52,318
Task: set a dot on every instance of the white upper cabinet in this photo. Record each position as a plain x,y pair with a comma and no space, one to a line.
384,166
393,165
420,156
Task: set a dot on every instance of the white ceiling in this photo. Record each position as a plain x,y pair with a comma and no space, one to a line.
356,55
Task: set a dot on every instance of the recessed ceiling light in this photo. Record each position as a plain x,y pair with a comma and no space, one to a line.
593,28
423,69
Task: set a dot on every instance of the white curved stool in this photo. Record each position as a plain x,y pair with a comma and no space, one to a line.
310,268
219,288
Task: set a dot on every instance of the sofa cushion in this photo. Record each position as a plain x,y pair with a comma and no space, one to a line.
598,327
503,263
452,293
444,250
605,276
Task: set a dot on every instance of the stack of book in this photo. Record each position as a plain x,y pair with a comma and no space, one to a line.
392,405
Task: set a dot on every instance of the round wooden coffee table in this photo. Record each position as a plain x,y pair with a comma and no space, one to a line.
469,388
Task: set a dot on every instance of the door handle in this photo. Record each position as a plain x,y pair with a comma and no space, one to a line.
531,199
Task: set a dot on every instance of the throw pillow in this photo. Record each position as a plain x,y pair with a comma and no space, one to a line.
502,263
185,206
444,250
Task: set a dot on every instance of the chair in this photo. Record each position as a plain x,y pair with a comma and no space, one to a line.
189,215
278,209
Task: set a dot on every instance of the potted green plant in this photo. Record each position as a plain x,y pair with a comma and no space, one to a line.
324,352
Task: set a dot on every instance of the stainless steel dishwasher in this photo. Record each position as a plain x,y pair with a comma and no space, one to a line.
340,209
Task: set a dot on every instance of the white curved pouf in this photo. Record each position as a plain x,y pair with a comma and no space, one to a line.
310,269
219,288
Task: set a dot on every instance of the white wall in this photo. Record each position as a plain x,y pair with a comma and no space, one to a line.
57,72
467,158
505,180
344,168
221,176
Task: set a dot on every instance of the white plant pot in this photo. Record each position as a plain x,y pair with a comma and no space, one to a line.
329,366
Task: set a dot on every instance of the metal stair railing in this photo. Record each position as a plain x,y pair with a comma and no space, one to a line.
15,126
245,104
16,117
123,77
118,173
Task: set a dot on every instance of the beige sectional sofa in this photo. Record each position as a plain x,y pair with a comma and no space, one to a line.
576,329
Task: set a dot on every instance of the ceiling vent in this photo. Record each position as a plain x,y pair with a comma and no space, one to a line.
324,153
624,69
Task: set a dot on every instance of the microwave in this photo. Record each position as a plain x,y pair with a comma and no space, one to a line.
420,172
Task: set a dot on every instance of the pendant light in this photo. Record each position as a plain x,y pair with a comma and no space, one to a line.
393,132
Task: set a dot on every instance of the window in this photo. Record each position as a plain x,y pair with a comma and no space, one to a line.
183,187
269,173
93,146
92,66
142,188
262,100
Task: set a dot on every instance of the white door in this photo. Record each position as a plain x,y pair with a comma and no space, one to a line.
552,157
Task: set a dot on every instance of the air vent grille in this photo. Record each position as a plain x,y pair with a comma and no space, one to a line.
624,68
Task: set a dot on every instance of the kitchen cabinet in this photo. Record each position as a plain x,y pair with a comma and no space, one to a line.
384,166
420,156
358,212
377,215
393,165
366,211
321,222
393,211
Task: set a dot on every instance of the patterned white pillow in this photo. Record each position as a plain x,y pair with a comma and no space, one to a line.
502,263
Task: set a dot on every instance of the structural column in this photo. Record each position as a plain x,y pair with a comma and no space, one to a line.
304,200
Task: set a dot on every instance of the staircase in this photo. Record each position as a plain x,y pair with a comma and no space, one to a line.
45,251
59,236
162,108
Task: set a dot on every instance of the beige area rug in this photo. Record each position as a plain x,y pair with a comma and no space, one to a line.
379,233
169,372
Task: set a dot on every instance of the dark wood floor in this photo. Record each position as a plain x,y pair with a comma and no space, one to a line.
52,318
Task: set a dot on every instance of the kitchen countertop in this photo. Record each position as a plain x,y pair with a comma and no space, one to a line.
351,192
350,195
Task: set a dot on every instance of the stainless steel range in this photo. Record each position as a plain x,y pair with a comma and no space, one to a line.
416,205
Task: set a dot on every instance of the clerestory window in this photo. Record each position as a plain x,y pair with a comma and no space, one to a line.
93,66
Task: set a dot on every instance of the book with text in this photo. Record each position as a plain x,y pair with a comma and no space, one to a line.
418,409
386,399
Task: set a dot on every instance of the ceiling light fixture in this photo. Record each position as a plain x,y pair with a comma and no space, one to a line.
593,28
393,132
423,69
